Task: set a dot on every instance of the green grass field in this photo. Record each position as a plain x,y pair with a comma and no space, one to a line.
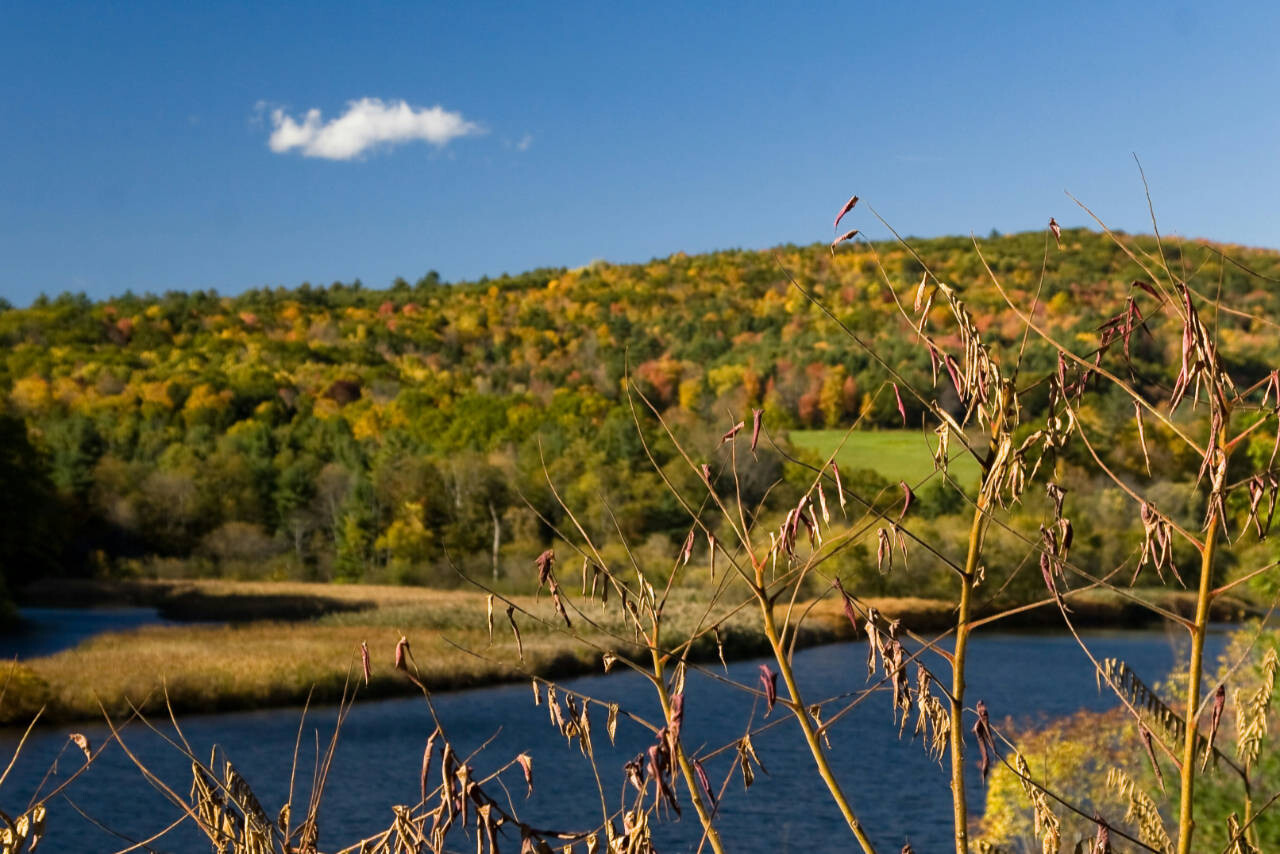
894,454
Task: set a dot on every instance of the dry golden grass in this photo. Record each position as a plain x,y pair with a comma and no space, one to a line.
273,662
215,667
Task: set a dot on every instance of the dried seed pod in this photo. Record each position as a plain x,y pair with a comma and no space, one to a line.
847,604
402,650
1219,701
907,497
902,410
757,418
747,756
848,206
686,551
677,714
703,782
82,742
848,235
711,553
526,765
511,618
982,729
1145,735
488,616
426,762
1102,839
769,684
1057,231
835,471
884,549
1142,436
545,562
611,722
733,431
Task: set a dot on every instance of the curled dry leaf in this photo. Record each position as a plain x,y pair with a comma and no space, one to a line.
757,418
733,431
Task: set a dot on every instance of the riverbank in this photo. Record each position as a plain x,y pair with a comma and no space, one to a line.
274,644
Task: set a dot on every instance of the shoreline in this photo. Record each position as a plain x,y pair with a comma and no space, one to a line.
271,645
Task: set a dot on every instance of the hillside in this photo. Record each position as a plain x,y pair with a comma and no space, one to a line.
348,433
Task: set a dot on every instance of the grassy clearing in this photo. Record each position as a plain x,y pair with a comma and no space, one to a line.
893,454
279,661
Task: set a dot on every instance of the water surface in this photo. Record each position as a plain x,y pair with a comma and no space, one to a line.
898,792
44,631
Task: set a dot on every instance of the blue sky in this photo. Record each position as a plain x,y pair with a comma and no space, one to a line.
136,142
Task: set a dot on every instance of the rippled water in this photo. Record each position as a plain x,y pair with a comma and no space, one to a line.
899,794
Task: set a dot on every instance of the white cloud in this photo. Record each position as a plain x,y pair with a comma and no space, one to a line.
525,142
366,124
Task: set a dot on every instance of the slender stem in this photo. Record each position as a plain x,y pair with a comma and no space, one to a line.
1251,832
686,770
1186,824
958,800
811,736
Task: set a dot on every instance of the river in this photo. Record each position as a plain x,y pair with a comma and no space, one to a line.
899,793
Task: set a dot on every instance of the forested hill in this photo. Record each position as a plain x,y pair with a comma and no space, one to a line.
355,433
